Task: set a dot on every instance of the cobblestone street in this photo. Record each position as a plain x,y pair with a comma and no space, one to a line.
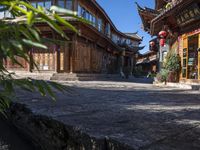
140,115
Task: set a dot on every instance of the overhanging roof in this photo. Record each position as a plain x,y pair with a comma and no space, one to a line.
134,35
146,14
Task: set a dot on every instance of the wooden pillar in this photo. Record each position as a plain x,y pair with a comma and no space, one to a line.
57,58
121,63
75,5
30,64
56,53
91,61
132,64
72,49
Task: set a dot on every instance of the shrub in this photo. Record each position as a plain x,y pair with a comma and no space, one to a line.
163,75
172,62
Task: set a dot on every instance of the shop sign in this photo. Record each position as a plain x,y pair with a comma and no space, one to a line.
189,14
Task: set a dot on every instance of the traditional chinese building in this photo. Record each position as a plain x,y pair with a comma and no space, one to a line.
176,24
99,48
147,62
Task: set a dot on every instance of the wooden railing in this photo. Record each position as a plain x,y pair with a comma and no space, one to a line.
169,7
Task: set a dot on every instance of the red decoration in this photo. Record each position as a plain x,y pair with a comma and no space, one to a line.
162,42
162,34
152,43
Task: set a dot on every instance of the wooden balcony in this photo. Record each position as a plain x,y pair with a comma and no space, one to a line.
167,15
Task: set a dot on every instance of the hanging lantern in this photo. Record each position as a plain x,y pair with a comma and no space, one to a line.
162,34
152,43
162,42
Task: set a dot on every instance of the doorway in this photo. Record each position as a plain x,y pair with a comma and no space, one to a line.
192,67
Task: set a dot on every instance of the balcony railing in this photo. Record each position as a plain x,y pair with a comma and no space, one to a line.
169,6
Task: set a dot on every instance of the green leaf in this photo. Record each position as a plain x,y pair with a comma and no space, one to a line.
30,18
34,44
64,22
62,10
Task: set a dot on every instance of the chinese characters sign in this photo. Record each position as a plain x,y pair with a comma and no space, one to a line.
189,14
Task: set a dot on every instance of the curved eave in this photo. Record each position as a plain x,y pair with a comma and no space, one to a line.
146,15
135,49
155,23
110,21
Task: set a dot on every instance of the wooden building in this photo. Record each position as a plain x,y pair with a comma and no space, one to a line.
99,48
176,24
147,62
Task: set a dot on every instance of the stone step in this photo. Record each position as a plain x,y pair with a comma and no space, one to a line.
33,75
84,77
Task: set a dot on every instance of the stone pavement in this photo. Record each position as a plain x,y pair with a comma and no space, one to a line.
141,116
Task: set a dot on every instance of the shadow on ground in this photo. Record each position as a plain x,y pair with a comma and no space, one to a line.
139,115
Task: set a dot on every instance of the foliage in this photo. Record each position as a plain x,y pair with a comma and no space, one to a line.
138,72
163,75
151,75
172,77
172,62
18,35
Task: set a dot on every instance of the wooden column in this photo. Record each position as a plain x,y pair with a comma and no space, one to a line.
72,48
91,61
57,58
132,64
30,64
121,63
75,5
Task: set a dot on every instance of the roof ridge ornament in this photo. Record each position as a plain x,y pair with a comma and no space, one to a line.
139,7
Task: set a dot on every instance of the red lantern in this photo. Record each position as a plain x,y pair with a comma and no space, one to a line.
162,42
152,43
162,34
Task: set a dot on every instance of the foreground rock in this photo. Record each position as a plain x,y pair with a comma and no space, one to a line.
11,139
111,116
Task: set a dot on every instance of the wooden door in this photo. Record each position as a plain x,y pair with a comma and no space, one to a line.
82,57
97,56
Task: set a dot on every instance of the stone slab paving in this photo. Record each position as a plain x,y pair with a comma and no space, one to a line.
142,116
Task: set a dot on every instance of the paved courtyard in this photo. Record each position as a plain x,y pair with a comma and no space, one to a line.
140,115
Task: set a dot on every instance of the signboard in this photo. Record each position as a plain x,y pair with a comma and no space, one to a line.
188,15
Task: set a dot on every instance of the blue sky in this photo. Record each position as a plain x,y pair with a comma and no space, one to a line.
124,15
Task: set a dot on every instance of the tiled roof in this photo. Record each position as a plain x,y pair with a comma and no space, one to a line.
134,35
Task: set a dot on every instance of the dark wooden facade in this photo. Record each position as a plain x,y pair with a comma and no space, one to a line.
148,62
180,19
99,48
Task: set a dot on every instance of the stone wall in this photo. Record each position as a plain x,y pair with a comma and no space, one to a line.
49,134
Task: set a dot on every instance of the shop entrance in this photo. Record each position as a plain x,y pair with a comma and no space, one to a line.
192,65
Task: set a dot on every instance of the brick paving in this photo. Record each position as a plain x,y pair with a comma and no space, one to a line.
140,115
